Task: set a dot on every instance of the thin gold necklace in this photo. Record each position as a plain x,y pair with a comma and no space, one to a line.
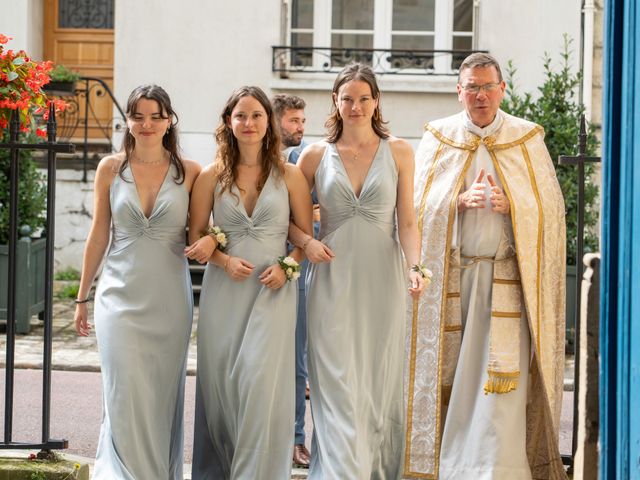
152,162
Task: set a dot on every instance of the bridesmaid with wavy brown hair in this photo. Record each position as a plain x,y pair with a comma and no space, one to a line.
245,382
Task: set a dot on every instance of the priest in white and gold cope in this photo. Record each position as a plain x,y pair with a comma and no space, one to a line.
485,343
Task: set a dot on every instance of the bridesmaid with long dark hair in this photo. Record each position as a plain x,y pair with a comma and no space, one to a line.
245,383
143,308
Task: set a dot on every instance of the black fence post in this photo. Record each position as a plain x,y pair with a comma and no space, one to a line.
52,148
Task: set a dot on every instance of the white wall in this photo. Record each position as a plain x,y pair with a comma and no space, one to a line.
200,54
23,20
522,30
199,51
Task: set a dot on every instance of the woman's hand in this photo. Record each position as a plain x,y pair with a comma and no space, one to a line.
81,320
417,284
273,277
202,249
318,252
238,268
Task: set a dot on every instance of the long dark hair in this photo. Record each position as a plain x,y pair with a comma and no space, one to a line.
228,152
170,139
355,71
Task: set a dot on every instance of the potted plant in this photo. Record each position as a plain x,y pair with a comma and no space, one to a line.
556,108
21,82
63,81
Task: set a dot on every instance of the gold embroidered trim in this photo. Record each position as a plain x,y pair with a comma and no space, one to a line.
536,193
506,281
414,317
506,314
452,328
446,395
453,295
443,303
407,459
515,374
464,146
527,136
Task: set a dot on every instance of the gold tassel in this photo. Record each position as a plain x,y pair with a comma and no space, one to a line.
501,382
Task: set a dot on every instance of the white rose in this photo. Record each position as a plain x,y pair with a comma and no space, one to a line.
290,261
295,276
289,272
221,238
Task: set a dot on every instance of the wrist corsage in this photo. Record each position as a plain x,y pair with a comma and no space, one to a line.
423,271
219,236
290,266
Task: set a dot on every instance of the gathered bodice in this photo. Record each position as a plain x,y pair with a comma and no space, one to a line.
269,222
338,201
168,218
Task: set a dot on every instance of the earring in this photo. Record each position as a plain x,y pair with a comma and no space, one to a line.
168,130
376,114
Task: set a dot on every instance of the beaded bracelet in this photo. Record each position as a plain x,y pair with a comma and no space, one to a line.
86,300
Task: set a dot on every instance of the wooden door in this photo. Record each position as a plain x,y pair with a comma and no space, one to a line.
79,35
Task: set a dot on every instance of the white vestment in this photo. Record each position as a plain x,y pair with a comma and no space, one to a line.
484,435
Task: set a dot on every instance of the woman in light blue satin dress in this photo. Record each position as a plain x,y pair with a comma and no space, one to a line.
143,309
245,382
357,285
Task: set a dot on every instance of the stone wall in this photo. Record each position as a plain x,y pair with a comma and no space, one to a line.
74,212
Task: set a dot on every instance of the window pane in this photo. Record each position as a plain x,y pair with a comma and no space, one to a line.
463,16
411,58
352,14
460,43
341,58
302,14
85,14
415,15
301,57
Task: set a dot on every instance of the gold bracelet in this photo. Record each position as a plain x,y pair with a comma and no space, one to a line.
226,264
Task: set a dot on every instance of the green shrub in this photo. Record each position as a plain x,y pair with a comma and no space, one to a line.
556,108
69,291
60,73
32,191
68,274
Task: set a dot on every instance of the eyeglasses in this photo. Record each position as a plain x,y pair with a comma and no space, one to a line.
487,87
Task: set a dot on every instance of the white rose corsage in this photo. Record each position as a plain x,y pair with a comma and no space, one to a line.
290,267
220,237
424,272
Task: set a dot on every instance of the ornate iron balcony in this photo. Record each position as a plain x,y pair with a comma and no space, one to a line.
289,59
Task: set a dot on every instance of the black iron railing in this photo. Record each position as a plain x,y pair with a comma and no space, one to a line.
80,112
289,59
51,147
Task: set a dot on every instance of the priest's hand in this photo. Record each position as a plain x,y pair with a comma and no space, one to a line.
499,201
475,196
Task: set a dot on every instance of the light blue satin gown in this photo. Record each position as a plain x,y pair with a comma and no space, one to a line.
355,315
245,382
143,315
